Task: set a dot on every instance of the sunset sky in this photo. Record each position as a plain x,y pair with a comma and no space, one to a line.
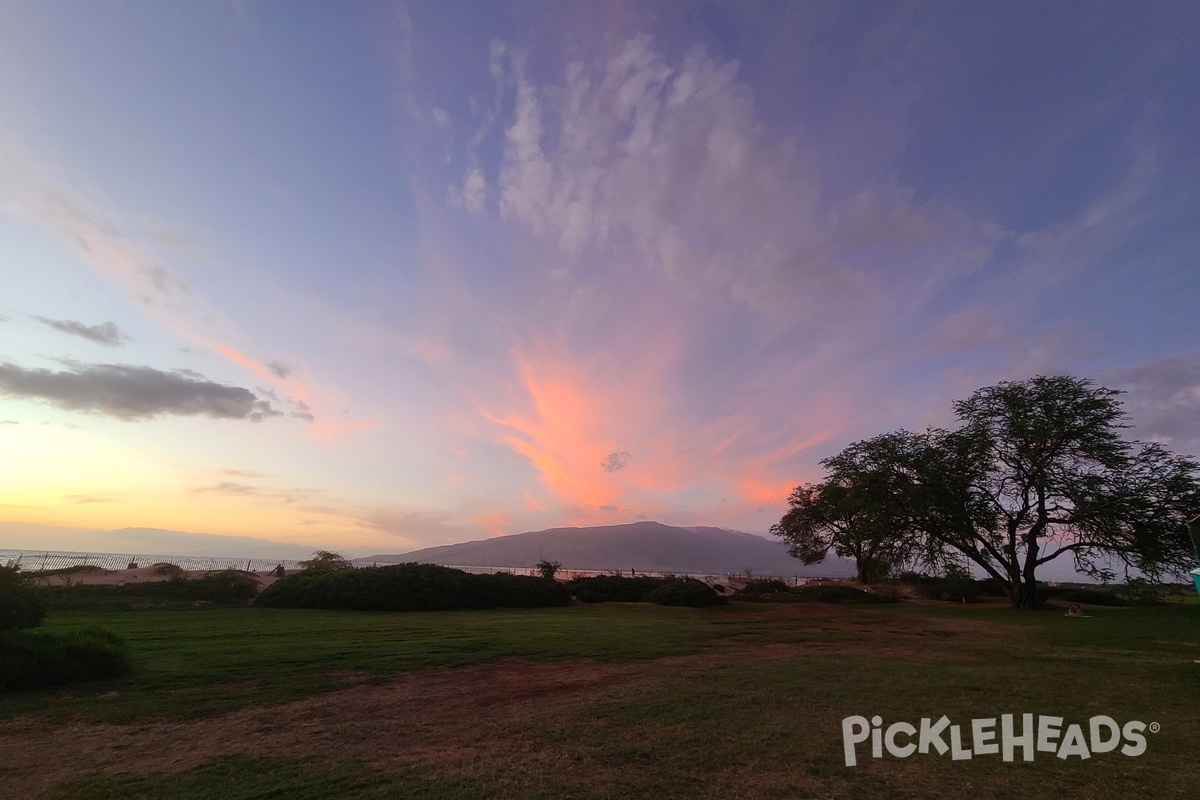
374,276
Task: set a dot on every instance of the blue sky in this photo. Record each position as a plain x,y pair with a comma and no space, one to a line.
376,276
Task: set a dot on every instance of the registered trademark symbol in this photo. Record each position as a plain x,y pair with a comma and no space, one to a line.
1155,727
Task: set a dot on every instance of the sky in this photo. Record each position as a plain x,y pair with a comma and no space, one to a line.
375,276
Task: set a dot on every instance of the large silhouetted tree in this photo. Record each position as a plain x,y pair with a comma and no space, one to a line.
859,511
1038,470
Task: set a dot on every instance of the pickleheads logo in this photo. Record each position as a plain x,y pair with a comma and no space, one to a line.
1045,735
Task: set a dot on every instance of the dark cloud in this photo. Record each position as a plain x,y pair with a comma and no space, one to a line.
132,392
278,368
105,333
1162,399
615,461
303,411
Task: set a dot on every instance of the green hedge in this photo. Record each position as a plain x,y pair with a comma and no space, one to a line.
614,589
229,587
41,659
840,594
688,592
766,586
411,587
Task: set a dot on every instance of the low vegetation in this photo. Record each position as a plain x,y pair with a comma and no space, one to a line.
39,659
227,587
410,587
688,592
43,659
605,701
614,588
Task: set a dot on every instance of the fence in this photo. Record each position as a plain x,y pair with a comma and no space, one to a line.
32,561
45,562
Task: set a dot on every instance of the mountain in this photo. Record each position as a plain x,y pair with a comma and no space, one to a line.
643,546
148,541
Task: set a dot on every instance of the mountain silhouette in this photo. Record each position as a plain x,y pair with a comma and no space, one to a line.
644,546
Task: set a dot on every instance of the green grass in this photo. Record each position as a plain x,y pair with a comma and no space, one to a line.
754,712
201,662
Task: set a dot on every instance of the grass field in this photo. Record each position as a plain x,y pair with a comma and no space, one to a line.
605,701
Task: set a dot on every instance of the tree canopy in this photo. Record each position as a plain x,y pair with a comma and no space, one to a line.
1038,470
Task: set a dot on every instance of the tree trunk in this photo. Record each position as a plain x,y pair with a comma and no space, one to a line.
1022,595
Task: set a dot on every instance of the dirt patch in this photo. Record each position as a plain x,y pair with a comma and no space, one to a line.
414,717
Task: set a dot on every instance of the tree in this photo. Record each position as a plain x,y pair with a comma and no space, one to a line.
1039,470
548,569
325,561
858,511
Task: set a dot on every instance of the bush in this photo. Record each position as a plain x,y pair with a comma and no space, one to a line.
45,658
325,561
226,586
1076,594
614,589
766,586
688,592
21,603
504,590
410,587
840,594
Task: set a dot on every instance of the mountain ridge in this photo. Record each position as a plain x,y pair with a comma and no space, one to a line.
645,546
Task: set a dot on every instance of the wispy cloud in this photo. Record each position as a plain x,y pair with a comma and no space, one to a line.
106,333
133,392
85,499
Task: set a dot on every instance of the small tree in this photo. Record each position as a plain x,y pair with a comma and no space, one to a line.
548,569
325,561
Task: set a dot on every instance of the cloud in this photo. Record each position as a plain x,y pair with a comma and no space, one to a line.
278,368
615,461
84,499
105,333
472,194
9,422
133,392
1162,399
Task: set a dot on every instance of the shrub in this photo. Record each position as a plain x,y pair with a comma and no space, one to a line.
504,590
1095,597
840,594
325,561
226,586
766,586
547,568
169,570
40,659
21,603
410,587
688,592
614,589
1141,592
